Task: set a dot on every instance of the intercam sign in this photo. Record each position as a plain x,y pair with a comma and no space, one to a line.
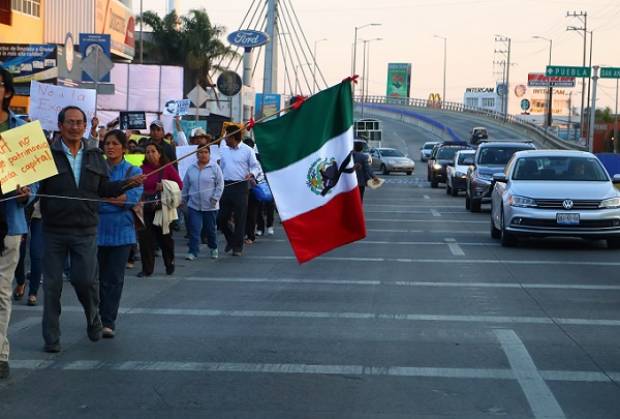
25,157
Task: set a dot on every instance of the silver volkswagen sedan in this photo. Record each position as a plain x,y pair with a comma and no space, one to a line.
555,193
391,160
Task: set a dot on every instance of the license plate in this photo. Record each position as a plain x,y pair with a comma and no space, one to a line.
567,218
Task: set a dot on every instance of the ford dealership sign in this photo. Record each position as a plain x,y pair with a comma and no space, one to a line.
248,38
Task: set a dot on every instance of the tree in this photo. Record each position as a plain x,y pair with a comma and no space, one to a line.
190,41
604,115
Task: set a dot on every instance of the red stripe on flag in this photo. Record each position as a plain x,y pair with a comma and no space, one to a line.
339,222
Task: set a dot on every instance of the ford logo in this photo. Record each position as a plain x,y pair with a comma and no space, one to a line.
567,204
248,38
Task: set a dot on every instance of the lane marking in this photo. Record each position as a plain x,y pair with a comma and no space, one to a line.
538,394
454,247
310,369
435,213
429,284
427,197
284,314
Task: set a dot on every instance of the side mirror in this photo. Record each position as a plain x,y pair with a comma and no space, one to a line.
616,179
500,177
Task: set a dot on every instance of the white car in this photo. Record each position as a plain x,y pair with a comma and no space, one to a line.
427,149
456,174
555,193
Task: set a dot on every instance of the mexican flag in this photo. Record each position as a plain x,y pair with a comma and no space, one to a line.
305,155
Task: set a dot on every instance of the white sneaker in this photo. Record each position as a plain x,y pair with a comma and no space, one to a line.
190,256
259,233
270,231
214,253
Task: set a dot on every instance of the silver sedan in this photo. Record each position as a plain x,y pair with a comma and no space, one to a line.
555,193
391,160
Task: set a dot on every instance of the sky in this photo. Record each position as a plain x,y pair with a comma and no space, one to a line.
408,28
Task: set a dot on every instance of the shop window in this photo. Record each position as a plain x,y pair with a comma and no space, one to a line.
29,7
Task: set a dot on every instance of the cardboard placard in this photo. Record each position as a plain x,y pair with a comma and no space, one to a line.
176,107
132,120
25,157
47,100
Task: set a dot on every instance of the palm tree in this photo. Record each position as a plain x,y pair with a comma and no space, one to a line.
190,41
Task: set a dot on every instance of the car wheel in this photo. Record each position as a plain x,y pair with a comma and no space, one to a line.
474,205
467,201
508,239
384,170
455,192
496,233
613,243
409,173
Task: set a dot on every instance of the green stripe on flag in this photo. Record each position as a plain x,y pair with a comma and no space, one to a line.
285,140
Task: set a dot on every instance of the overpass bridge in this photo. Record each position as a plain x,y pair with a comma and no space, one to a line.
453,121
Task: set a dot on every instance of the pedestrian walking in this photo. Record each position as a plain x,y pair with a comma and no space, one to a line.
157,135
155,158
363,170
12,227
202,189
116,233
70,214
240,167
32,243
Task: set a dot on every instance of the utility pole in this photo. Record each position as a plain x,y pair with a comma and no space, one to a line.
355,48
583,17
593,109
270,82
549,117
616,139
590,65
506,43
141,35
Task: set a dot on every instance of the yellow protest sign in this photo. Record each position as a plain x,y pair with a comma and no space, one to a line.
25,157
135,159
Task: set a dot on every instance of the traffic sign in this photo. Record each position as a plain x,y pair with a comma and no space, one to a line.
525,104
567,71
610,72
198,96
97,65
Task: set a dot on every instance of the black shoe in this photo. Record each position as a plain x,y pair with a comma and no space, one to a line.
228,248
4,370
94,330
170,269
52,348
143,275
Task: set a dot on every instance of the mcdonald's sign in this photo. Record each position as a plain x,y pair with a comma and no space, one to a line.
434,100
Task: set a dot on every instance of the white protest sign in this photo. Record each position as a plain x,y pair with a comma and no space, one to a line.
177,107
186,163
47,100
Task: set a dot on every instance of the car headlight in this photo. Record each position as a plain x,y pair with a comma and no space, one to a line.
437,166
610,203
521,201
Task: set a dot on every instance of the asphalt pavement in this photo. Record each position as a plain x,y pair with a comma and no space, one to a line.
428,317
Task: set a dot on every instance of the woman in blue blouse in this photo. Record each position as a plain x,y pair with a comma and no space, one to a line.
116,232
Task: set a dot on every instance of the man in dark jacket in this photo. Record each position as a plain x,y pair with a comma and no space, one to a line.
362,168
70,225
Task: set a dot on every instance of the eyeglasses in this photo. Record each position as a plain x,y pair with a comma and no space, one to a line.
74,123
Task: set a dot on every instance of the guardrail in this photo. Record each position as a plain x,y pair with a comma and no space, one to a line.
396,105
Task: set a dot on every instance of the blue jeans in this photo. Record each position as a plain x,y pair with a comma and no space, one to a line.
198,220
112,260
36,258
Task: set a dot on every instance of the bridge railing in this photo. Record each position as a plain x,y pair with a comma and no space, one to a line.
542,134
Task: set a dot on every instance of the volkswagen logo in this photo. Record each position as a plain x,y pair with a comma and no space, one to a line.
567,204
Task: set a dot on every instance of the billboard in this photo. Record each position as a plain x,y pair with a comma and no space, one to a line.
266,104
117,20
540,80
91,41
398,80
27,62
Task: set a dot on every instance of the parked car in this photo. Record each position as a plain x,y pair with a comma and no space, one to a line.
555,193
478,134
441,157
427,149
391,160
457,173
490,158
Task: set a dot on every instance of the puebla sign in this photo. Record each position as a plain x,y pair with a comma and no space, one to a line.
248,38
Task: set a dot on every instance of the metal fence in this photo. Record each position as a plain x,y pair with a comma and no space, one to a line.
543,135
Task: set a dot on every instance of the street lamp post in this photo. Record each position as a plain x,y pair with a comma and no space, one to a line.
549,118
366,69
297,86
445,63
314,87
355,48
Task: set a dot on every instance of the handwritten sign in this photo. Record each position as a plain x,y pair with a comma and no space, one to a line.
25,157
47,100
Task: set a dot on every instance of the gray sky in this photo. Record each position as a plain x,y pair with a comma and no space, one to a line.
408,27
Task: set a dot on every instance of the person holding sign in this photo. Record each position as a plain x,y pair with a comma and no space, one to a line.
69,210
12,226
116,233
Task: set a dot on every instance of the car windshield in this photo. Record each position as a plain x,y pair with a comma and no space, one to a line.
466,159
584,169
447,153
498,155
390,152
429,146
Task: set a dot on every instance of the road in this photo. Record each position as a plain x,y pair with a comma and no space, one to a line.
426,318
